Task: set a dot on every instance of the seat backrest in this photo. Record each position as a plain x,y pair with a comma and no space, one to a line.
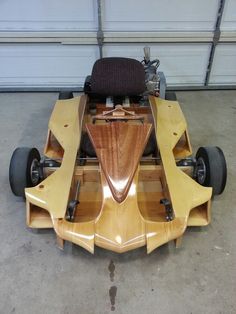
118,77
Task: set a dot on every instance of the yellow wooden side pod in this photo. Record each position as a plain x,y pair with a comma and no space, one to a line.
100,219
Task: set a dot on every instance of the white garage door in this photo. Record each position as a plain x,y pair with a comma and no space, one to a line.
224,63
54,43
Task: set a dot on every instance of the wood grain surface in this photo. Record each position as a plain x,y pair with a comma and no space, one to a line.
119,147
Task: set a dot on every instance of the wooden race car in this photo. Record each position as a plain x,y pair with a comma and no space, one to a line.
118,171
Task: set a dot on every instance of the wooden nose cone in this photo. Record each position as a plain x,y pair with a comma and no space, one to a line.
119,147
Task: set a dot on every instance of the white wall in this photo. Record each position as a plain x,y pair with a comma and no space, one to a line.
52,43
47,15
229,16
224,65
47,65
159,15
183,64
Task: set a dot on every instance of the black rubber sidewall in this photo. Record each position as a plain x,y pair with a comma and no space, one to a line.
170,96
65,95
86,146
224,169
216,170
20,167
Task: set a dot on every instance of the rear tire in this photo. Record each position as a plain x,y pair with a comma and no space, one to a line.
86,146
171,96
211,169
65,95
22,169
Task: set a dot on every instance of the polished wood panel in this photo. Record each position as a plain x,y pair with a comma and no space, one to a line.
37,217
184,192
200,215
118,211
119,147
120,227
79,233
66,124
119,113
100,108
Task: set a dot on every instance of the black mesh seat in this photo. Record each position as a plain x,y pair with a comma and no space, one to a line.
117,77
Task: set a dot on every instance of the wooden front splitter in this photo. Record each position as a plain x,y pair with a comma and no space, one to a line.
118,220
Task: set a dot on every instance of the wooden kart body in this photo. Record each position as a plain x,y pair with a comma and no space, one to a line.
120,192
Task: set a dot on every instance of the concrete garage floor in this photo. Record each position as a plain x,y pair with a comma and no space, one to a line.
36,277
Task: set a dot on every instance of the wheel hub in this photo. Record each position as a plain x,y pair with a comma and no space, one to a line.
201,170
34,172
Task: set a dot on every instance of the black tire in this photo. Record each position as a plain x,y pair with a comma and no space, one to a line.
65,95
151,147
170,96
213,162
86,146
87,85
20,169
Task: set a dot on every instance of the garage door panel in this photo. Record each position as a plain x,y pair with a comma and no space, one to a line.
224,65
157,15
182,64
51,65
53,43
228,22
46,15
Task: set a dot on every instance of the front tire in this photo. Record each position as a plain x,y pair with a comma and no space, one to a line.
24,169
211,168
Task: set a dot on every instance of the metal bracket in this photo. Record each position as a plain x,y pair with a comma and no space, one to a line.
187,162
215,41
216,36
71,209
100,34
168,208
100,37
162,84
73,204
